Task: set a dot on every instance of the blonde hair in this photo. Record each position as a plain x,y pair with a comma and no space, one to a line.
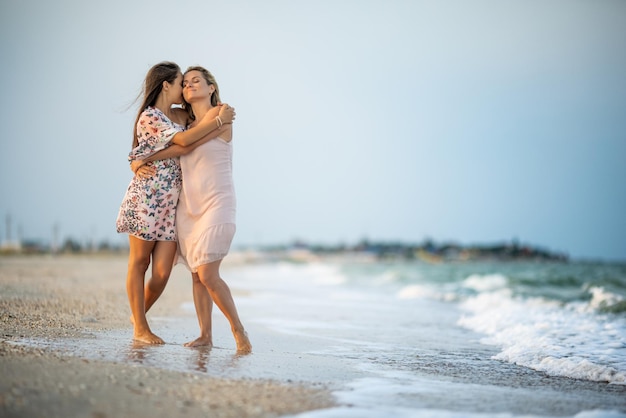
208,77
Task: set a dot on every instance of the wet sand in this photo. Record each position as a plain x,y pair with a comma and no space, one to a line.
47,304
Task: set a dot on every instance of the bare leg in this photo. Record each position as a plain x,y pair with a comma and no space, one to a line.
162,264
138,262
220,292
204,307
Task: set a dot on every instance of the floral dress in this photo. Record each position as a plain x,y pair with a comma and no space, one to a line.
148,210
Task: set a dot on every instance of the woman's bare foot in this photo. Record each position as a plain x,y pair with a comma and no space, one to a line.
243,343
200,342
148,338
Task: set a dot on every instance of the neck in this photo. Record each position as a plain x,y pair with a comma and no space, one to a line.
200,108
163,105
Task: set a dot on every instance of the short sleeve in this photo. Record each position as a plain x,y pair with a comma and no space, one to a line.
154,133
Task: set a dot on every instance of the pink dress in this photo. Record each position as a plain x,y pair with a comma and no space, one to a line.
205,216
148,210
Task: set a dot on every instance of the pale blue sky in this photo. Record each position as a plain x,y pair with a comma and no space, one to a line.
471,121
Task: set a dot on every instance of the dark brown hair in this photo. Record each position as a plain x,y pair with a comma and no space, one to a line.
152,86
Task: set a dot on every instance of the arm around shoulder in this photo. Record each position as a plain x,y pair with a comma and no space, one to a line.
205,126
191,135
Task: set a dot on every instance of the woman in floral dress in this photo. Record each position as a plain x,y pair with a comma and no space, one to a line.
148,210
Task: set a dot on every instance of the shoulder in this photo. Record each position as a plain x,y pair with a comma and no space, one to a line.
148,117
180,116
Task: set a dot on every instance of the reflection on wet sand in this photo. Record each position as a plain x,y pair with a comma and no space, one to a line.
277,357
138,351
201,358
203,355
114,346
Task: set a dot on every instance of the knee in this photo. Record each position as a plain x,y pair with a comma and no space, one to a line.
210,281
161,273
195,279
157,284
140,262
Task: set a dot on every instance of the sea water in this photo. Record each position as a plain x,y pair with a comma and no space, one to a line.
419,332
564,319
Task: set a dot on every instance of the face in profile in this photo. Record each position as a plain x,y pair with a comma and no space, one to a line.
176,89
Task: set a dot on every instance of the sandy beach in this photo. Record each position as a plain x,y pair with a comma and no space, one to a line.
73,298
323,347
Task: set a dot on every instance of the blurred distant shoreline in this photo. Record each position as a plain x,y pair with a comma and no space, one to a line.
365,250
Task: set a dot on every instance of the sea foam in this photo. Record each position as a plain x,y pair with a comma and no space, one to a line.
561,339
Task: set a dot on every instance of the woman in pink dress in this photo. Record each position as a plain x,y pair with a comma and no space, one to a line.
205,218
148,210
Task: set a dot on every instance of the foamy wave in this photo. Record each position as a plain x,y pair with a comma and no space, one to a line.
390,277
548,336
485,283
415,291
580,368
319,273
602,300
